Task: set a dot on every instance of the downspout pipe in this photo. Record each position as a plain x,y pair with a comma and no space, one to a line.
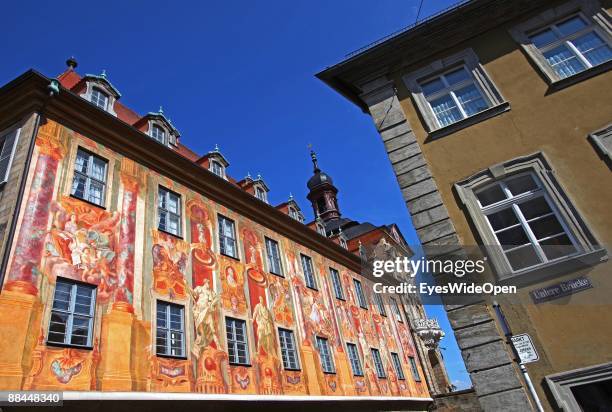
508,333
53,88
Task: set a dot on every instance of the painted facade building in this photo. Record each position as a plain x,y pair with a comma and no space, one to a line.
495,116
135,266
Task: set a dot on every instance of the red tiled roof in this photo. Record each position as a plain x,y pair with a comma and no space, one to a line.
70,79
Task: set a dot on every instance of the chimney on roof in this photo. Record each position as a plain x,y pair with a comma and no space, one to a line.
72,63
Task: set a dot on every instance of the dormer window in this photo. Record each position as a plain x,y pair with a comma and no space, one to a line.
99,98
158,134
217,168
261,194
293,213
343,243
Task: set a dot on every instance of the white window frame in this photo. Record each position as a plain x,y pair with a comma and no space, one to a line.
288,348
8,145
164,133
484,83
396,310
397,363
378,363
223,238
336,283
89,178
380,304
597,18
168,331
414,369
261,194
273,254
233,344
321,229
214,164
560,384
352,352
589,250
513,202
97,91
325,354
167,213
71,313
308,268
362,300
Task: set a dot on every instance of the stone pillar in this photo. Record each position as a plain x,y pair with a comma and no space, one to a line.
487,359
24,269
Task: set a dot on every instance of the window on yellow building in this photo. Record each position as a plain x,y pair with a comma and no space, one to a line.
398,366
327,361
237,341
414,369
336,283
72,314
170,330
353,355
380,369
361,299
89,180
227,237
273,254
288,349
309,276
169,211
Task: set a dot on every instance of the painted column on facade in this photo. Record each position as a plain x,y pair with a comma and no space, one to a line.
24,270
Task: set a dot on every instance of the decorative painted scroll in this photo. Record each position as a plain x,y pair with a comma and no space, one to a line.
169,264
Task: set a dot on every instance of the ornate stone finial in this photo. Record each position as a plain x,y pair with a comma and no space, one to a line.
161,110
216,148
290,196
103,74
72,63
248,176
259,176
429,331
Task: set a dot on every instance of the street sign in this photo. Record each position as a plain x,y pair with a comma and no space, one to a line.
525,348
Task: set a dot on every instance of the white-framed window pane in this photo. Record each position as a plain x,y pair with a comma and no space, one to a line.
237,344
170,333
360,295
457,76
327,362
72,314
446,110
335,276
353,355
471,100
490,195
571,26
544,37
308,272
593,48
288,349
227,237
89,180
398,366
99,98
564,61
169,211
414,369
380,370
432,86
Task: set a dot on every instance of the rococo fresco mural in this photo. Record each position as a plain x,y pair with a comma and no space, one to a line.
117,251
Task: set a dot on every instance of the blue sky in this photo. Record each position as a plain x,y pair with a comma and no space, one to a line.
239,74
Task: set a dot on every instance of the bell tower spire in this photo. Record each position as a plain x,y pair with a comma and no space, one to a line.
322,193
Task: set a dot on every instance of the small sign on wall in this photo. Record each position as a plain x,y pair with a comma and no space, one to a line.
525,348
560,289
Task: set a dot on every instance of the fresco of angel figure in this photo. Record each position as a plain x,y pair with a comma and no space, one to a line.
265,327
206,302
